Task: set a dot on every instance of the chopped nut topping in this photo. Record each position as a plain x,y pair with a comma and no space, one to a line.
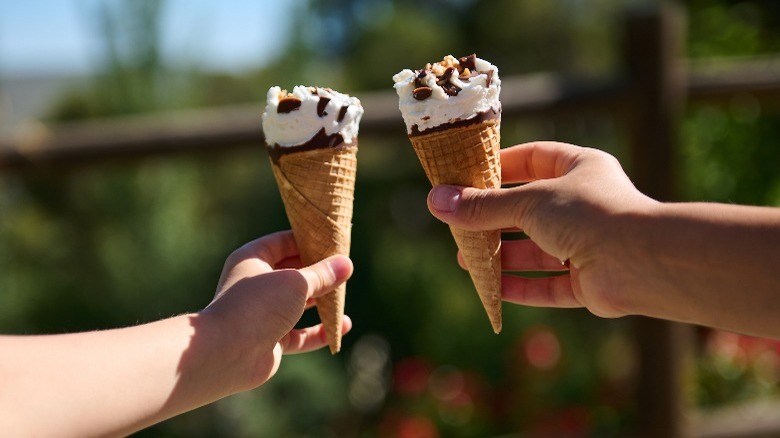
444,71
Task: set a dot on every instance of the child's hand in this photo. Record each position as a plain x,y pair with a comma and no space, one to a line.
261,295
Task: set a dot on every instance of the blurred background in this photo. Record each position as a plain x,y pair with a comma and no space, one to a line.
132,164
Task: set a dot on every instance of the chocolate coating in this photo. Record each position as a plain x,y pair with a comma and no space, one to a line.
491,114
319,141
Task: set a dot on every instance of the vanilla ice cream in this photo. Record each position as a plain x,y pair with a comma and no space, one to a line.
448,92
309,115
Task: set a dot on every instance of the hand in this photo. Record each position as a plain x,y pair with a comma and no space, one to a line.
261,295
567,207
167,367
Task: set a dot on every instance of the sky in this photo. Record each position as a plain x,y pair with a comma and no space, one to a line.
55,37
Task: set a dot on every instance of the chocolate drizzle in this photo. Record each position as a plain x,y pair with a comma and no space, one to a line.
320,140
484,116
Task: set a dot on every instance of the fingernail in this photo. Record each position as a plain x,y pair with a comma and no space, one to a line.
445,198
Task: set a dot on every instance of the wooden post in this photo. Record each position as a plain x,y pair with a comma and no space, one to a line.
654,40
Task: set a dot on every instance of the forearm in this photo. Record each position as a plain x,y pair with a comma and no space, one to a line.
111,382
711,264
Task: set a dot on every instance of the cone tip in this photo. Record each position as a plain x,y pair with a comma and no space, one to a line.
334,347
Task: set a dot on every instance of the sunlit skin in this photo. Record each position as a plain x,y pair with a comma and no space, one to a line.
115,382
705,263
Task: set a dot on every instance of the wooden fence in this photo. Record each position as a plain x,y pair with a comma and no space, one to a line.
647,97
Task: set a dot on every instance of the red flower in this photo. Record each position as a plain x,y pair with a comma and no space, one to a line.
542,348
397,426
410,376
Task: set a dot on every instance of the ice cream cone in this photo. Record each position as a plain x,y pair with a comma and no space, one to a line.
317,188
452,114
469,156
311,138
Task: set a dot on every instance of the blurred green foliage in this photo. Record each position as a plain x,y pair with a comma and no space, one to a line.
125,242
730,154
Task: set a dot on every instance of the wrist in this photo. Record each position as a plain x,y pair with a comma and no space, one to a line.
628,253
656,256
214,355
243,361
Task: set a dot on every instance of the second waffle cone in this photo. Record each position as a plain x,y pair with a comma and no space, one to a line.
469,156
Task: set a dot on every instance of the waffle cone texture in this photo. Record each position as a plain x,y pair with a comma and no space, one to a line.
317,188
469,156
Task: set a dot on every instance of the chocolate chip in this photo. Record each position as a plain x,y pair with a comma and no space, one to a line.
342,113
450,72
321,106
489,79
451,89
418,80
468,62
288,104
422,93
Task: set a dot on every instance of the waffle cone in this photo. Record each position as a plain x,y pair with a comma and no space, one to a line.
469,156
317,188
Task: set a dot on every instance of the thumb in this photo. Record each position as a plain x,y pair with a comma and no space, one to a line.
478,210
324,276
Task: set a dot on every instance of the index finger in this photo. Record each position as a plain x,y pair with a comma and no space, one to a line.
537,160
270,249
